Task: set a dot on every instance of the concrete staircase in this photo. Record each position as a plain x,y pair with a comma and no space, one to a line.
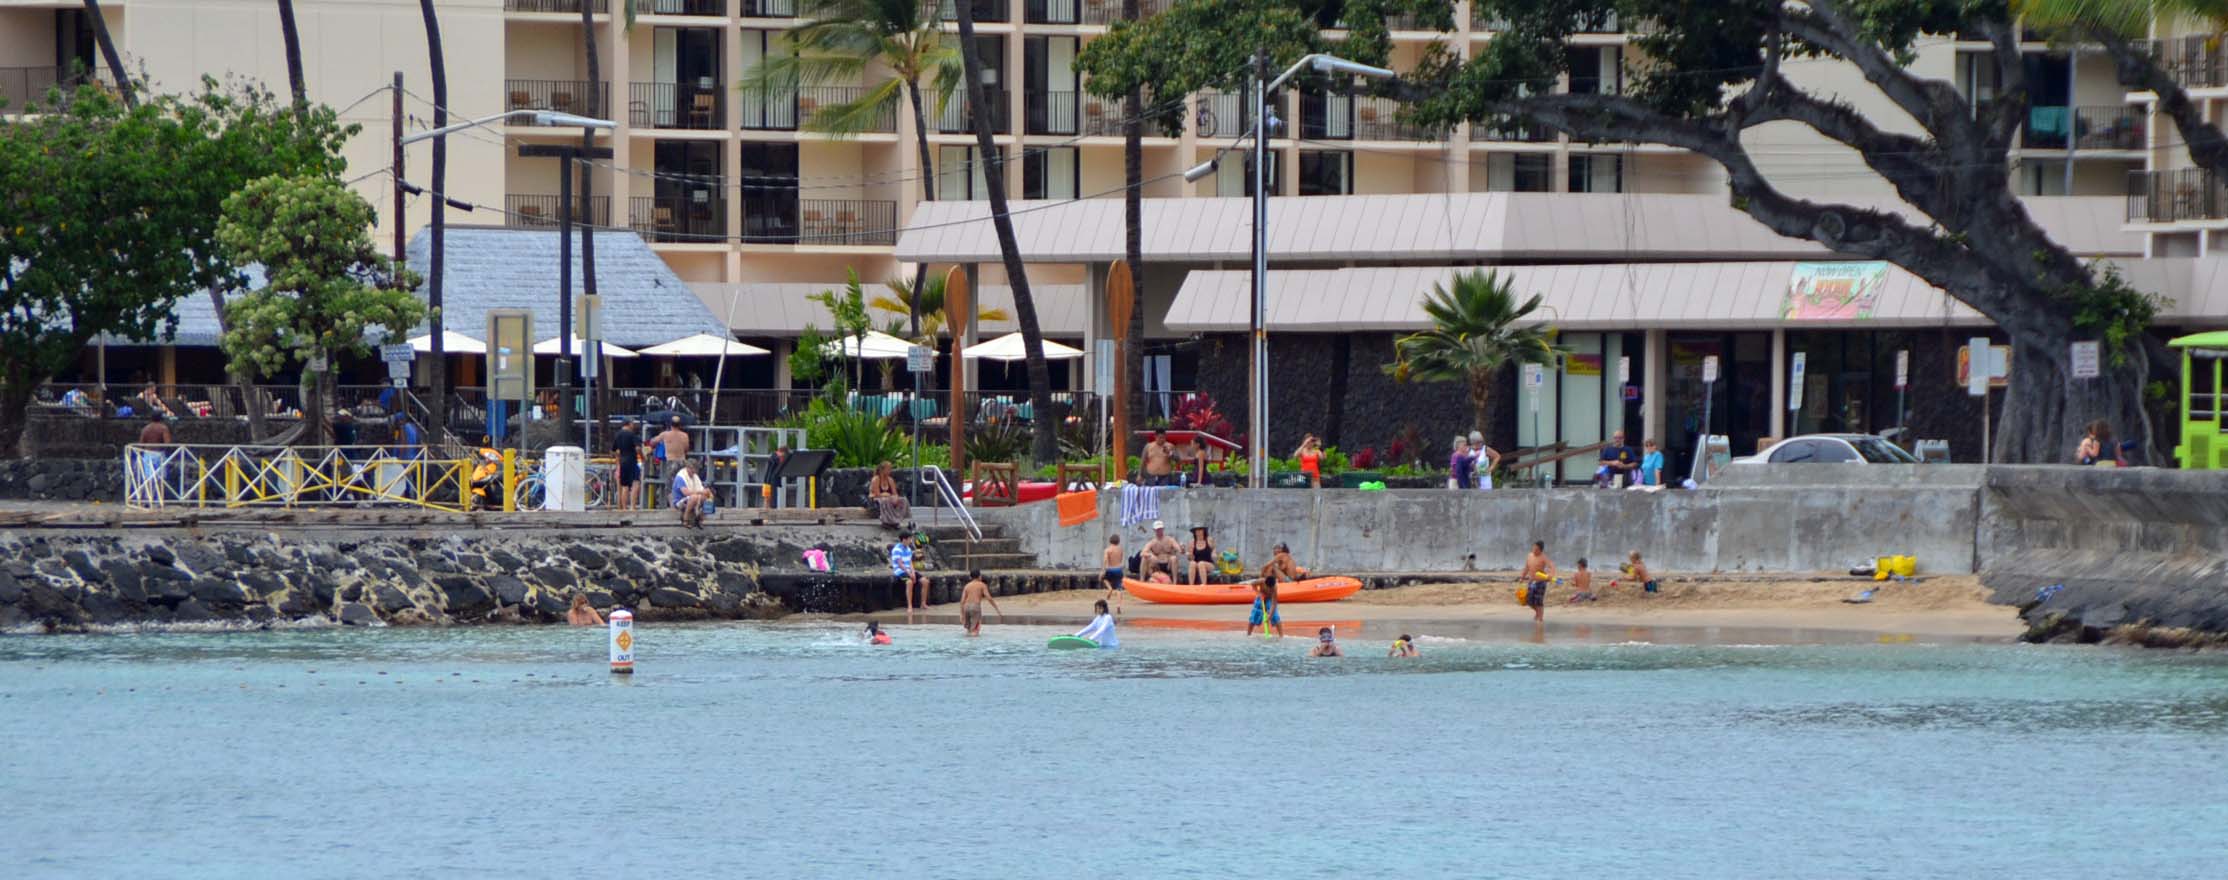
995,551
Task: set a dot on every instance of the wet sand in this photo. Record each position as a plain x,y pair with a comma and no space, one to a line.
1689,609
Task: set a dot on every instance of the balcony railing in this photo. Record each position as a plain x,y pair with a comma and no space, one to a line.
2172,196
954,120
1227,115
769,8
1110,11
26,85
681,7
2091,128
541,210
1512,131
598,7
846,222
985,11
682,219
1379,119
1055,11
2196,62
1052,113
808,102
561,95
1605,22
1103,117
698,107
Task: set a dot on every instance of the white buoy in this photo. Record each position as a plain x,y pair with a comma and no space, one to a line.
622,642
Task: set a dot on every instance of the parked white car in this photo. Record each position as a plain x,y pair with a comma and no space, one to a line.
1832,449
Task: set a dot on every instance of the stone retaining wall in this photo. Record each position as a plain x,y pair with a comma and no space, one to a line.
62,479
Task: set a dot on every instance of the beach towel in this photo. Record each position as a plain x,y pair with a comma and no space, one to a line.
1077,508
1141,504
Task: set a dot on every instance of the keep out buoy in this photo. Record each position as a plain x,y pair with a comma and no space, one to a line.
622,642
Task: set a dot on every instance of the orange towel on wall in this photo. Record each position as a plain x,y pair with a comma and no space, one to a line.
1077,508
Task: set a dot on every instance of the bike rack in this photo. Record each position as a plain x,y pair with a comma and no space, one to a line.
945,494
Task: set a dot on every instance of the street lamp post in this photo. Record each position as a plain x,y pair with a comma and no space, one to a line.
1257,428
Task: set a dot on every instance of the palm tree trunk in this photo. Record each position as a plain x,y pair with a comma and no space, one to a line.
1133,250
437,374
108,52
1047,421
293,39
928,191
587,199
1481,394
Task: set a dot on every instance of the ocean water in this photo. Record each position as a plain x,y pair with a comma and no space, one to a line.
793,750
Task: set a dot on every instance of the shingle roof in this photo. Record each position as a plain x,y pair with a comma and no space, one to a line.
485,268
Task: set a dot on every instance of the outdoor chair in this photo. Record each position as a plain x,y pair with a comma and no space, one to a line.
702,109
521,101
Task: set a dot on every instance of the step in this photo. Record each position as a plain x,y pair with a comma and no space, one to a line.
988,561
986,545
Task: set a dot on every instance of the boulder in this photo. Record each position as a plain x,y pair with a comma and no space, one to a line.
504,560
160,554
666,597
586,557
219,593
389,599
554,577
550,604
190,611
82,563
510,590
465,596
11,589
358,614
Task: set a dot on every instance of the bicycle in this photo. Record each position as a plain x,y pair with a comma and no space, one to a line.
1205,124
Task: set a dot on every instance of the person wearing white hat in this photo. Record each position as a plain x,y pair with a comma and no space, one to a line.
1161,552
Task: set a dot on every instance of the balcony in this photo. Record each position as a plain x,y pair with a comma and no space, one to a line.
1605,22
1512,131
794,111
985,11
2175,196
698,107
698,218
716,8
1051,112
845,222
954,120
1103,12
1226,115
2196,62
1379,119
2091,128
540,211
561,95
769,8
598,7
24,85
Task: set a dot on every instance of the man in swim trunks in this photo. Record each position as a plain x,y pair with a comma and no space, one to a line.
1161,552
1159,461
971,598
1112,574
1264,609
1538,570
627,448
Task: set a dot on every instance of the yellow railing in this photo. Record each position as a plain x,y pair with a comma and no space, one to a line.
163,476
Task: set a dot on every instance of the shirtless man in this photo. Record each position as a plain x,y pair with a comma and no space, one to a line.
1161,552
971,598
1159,460
1282,567
1538,570
676,443
1112,573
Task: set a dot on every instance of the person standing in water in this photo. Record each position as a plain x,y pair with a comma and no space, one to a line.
1101,627
971,598
1538,570
1264,615
1112,573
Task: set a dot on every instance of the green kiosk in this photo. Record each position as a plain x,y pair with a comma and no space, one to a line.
2204,445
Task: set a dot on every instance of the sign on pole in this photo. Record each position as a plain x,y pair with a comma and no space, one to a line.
1709,369
920,359
1902,369
397,353
1977,366
1535,377
1102,366
1795,390
1624,370
2087,360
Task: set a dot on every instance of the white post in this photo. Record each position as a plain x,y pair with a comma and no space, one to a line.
622,642
1779,383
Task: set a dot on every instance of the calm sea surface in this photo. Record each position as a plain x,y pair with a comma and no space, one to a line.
792,750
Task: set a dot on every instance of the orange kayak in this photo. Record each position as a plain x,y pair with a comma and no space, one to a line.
1322,589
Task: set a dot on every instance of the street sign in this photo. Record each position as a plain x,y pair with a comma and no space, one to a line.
398,372
1534,375
316,363
1902,369
397,353
1976,366
1795,390
2087,360
1709,369
1624,370
510,359
920,359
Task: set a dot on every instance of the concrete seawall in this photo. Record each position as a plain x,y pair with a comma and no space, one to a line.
2136,547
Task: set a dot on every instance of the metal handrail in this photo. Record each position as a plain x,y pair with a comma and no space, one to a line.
933,475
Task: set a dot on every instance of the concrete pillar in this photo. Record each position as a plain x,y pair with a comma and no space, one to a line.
973,272
782,348
1095,326
1779,384
967,330
1655,356
167,365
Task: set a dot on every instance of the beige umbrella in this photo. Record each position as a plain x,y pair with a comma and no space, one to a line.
452,342
703,345
550,346
875,346
1009,348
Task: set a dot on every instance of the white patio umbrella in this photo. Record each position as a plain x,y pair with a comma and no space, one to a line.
703,345
1009,348
876,346
452,342
550,346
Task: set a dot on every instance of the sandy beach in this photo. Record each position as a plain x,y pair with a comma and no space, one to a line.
1698,608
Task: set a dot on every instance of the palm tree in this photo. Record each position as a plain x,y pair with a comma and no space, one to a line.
1473,335
108,52
839,41
933,317
293,39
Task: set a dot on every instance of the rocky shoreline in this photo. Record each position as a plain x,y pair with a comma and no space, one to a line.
57,581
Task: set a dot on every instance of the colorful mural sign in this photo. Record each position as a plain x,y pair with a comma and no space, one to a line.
1833,291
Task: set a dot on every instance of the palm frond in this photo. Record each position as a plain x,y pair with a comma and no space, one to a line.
864,114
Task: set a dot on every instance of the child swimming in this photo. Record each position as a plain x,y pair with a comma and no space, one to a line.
875,635
1326,644
1405,646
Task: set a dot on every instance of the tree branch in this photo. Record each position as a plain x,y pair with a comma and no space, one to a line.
1934,104
2137,69
2009,110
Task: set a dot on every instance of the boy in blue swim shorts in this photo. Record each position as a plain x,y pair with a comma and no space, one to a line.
1265,610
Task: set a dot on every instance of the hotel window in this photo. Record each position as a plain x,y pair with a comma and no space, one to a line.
959,177
1050,173
1326,172
1597,174
1596,70
1235,178
1517,172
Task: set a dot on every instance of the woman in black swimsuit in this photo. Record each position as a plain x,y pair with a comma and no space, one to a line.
1202,556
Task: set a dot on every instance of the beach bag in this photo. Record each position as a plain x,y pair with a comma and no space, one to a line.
1229,563
817,559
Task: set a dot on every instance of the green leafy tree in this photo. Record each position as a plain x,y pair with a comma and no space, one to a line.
108,210
327,287
847,308
935,318
1475,333
842,41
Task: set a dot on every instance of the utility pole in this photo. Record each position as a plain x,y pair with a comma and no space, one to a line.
564,298
401,238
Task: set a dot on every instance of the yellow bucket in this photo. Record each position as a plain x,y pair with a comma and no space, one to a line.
1907,566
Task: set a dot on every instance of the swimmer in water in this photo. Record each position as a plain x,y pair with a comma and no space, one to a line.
1326,644
1405,646
581,613
1101,628
875,635
971,598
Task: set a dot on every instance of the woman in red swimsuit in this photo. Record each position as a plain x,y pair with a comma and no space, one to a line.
1310,455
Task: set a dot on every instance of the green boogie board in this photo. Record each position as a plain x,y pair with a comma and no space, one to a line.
1070,643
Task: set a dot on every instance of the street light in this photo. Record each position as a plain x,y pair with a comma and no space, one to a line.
1257,429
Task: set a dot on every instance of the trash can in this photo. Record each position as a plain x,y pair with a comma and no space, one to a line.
565,478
